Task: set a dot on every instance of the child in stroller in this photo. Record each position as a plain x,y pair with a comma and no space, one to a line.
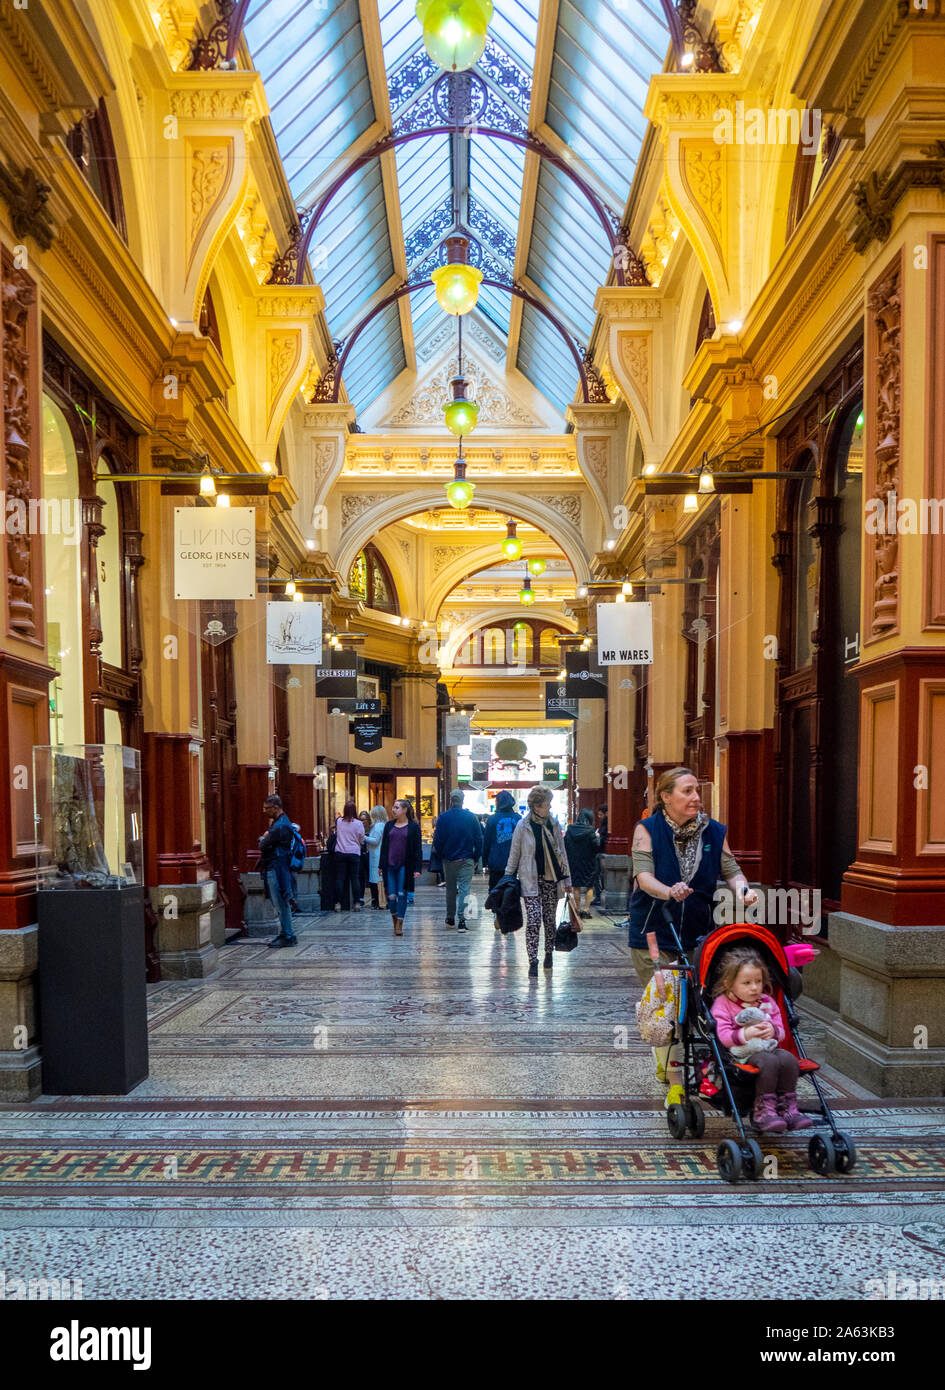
743,987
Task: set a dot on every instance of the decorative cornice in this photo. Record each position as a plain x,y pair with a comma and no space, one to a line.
74,252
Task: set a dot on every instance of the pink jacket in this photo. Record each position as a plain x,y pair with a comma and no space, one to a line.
724,1011
349,836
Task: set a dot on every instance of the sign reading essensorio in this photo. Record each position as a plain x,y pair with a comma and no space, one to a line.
214,552
625,634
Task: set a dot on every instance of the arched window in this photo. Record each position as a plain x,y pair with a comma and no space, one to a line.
65,638
91,145
810,166
370,581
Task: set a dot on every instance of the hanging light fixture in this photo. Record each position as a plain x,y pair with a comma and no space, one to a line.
298,596
706,480
290,588
208,487
526,593
454,31
537,565
459,491
223,499
691,502
456,283
461,414
511,546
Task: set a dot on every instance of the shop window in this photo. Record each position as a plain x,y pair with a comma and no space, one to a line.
91,145
65,641
108,559
370,581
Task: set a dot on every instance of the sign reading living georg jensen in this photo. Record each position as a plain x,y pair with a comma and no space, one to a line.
625,634
214,552
293,633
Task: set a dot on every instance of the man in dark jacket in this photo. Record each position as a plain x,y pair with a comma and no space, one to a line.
497,838
601,818
457,839
275,848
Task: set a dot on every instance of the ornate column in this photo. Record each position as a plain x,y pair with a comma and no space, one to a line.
322,442
640,339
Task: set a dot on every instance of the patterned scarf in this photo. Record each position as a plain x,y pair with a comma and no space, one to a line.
686,838
544,840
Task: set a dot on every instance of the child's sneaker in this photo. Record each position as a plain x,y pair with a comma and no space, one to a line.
675,1096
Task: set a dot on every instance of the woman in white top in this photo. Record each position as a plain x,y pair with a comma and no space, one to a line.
349,837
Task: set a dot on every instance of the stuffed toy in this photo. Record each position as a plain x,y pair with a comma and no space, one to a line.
744,1019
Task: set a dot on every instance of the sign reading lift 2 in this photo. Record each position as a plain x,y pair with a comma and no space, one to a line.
625,634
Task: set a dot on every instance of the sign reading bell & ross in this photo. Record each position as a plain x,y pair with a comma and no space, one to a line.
215,552
583,683
625,634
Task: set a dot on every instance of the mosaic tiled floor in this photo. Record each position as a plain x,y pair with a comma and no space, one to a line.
371,1117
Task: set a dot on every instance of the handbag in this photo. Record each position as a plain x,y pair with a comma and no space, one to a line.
566,934
656,1017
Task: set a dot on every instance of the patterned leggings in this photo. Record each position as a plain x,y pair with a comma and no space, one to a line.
544,908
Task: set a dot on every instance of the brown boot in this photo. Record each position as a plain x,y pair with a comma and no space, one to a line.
792,1117
398,926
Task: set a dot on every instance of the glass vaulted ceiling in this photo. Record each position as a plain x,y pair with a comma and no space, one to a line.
313,62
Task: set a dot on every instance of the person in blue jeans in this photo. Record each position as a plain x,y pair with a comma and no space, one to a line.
457,839
401,859
275,848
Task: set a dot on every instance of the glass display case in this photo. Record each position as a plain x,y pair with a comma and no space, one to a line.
87,816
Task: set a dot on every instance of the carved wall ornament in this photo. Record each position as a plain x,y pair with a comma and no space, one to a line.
447,334
885,328
876,196
324,455
497,408
444,555
353,506
26,196
702,176
208,171
215,103
597,454
635,357
567,505
283,351
19,373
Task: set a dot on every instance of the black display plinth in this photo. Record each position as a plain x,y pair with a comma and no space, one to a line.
93,1003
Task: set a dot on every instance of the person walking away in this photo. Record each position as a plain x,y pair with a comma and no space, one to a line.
679,855
539,859
458,841
378,819
401,858
497,838
365,820
349,834
275,847
602,833
580,845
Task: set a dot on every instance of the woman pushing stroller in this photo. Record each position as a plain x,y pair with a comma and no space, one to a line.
679,855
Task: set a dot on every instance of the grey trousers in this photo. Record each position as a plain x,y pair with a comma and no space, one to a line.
458,873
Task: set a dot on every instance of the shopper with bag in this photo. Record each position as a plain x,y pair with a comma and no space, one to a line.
373,841
538,858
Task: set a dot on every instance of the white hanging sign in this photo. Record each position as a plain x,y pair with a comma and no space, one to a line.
625,634
214,552
455,730
480,750
293,634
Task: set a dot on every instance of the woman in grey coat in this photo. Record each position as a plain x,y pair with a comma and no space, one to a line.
538,858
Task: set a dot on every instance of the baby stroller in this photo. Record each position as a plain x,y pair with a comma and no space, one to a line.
696,1031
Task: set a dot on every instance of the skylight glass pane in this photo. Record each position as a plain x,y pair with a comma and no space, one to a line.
400,30
567,255
515,27
544,358
354,220
423,175
495,178
375,359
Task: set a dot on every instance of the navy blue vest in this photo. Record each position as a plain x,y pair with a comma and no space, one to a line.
646,913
